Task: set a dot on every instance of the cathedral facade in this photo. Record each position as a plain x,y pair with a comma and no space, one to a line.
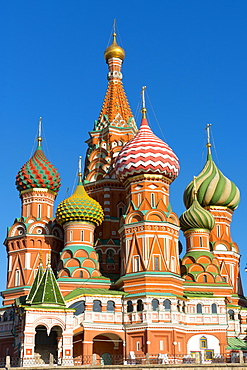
104,278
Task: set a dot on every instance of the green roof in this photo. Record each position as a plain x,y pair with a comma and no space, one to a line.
47,292
36,282
84,291
236,344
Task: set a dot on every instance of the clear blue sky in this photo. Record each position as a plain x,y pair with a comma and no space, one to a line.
191,55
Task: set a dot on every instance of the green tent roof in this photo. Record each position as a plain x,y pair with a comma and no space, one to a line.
47,292
237,344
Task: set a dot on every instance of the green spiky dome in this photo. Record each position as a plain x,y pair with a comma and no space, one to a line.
80,207
213,188
196,217
38,172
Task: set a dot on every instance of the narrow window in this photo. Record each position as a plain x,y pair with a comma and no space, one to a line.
200,239
120,212
71,235
136,264
167,305
138,347
231,314
97,306
110,306
156,263
199,308
218,230
152,200
39,210
82,235
205,280
203,342
140,306
139,199
155,304
129,306
17,277
214,308
161,345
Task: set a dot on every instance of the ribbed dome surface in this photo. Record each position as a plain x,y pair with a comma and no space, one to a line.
196,217
80,207
114,50
213,188
38,172
146,154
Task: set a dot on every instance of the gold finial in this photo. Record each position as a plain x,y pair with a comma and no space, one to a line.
79,169
208,145
39,139
114,50
195,189
144,110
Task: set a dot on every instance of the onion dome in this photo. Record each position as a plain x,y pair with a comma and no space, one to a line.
146,154
213,188
114,50
196,217
38,172
80,207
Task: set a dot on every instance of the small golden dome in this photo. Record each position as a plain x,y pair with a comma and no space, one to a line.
114,50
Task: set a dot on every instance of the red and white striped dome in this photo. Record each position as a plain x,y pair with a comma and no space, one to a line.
146,153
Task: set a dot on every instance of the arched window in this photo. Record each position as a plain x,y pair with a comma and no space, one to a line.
205,280
110,256
155,304
97,306
129,306
110,306
17,277
214,308
82,235
79,306
140,306
198,308
39,211
203,342
231,314
167,305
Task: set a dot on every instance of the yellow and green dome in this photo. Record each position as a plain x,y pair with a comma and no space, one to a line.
80,207
213,188
196,217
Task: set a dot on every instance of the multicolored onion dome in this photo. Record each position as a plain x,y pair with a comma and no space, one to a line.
196,217
213,188
80,207
146,154
114,50
38,172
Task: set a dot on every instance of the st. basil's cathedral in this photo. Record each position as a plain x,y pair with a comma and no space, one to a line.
104,279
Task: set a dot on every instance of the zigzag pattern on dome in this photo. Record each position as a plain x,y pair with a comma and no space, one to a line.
38,172
146,153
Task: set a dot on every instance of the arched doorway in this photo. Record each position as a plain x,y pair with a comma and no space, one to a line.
109,349
46,345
